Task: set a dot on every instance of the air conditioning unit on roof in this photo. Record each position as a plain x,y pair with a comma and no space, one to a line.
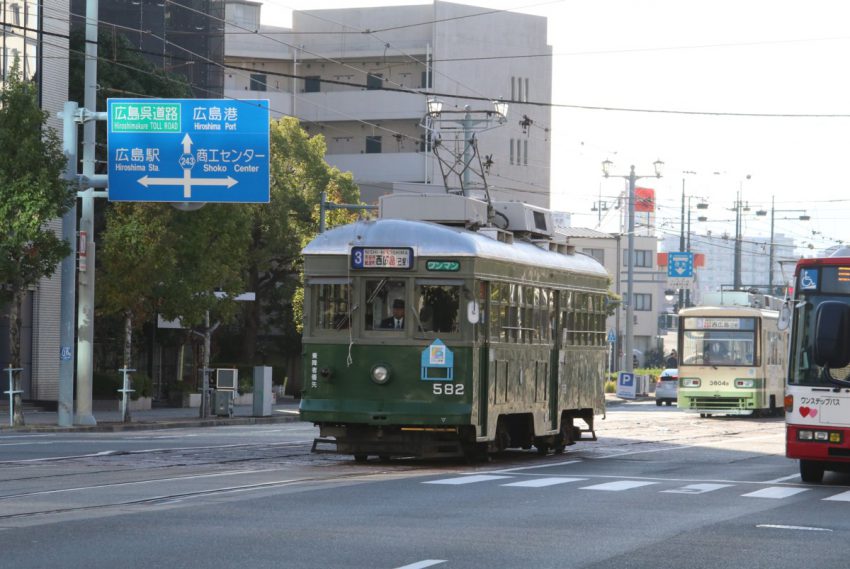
524,218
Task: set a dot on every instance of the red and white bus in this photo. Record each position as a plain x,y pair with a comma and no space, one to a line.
817,395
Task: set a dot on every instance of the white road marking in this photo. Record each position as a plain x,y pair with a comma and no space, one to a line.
783,479
801,528
423,564
843,497
775,492
547,465
697,488
541,482
618,486
466,479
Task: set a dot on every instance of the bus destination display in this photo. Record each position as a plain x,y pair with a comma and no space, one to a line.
835,280
381,257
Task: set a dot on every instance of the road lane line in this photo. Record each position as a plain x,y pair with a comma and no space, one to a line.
697,488
465,479
774,492
618,486
423,564
843,497
800,528
783,479
542,482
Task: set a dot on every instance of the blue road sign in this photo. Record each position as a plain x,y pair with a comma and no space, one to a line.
680,265
188,150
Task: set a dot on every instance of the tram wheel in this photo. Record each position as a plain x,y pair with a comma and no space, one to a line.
811,471
360,457
658,402
384,457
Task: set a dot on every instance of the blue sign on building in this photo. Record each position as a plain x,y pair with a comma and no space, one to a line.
188,150
680,265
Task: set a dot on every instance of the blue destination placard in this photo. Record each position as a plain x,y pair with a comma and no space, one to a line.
381,257
188,150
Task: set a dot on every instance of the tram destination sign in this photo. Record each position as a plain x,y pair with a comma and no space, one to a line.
188,150
381,257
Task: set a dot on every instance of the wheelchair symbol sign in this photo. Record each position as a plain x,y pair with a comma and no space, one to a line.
809,279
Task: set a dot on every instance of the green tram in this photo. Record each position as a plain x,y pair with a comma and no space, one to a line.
428,340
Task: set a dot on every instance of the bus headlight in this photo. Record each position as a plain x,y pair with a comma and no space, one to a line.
745,383
691,382
380,374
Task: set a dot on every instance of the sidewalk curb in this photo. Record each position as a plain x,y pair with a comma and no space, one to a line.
112,427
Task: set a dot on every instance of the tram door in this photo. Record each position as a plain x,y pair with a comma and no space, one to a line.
481,341
556,356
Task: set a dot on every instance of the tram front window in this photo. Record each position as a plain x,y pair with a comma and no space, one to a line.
719,341
385,304
438,308
332,312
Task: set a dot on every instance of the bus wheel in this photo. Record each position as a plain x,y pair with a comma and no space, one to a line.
811,471
360,457
702,415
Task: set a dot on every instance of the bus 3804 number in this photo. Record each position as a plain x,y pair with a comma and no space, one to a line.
447,389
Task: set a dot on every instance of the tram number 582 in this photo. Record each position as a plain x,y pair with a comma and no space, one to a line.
448,389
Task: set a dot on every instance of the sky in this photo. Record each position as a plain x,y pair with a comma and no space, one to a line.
695,80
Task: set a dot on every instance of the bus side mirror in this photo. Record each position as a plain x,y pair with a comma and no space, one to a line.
832,333
784,317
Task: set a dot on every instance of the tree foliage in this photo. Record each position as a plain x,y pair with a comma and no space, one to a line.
156,259
32,193
281,228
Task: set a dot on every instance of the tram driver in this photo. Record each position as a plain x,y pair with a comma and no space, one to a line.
396,321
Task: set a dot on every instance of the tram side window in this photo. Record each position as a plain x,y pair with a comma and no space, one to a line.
438,308
385,304
332,311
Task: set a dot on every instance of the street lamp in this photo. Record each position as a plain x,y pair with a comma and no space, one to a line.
607,165
803,217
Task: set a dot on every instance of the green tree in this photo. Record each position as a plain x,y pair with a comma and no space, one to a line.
32,193
281,228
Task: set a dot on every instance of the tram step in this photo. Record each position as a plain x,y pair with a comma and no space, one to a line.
592,436
320,441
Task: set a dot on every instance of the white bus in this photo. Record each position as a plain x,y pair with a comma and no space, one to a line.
732,361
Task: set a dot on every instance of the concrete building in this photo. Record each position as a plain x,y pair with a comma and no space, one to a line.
719,269
362,78
649,283
184,38
38,36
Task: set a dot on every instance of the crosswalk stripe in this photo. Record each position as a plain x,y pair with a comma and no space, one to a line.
541,482
466,479
697,488
843,497
618,486
775,492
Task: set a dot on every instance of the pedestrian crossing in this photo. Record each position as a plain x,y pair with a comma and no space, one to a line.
768,492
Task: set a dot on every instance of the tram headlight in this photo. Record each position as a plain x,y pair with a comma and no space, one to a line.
745,383
380,374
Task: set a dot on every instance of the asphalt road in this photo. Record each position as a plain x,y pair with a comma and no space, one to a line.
659,489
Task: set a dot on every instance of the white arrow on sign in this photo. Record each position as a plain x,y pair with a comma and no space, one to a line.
187,144
187,181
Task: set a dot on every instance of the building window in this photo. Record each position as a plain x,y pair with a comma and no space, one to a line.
643,258
643,302
519,89
518,152
525,152
312,84
258,82
427,80
526,89
374,81
373,145
598,254
513,88
512,151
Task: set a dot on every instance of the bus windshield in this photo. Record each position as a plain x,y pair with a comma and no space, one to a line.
802,369
719,341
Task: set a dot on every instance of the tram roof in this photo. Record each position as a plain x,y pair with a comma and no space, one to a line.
434,240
